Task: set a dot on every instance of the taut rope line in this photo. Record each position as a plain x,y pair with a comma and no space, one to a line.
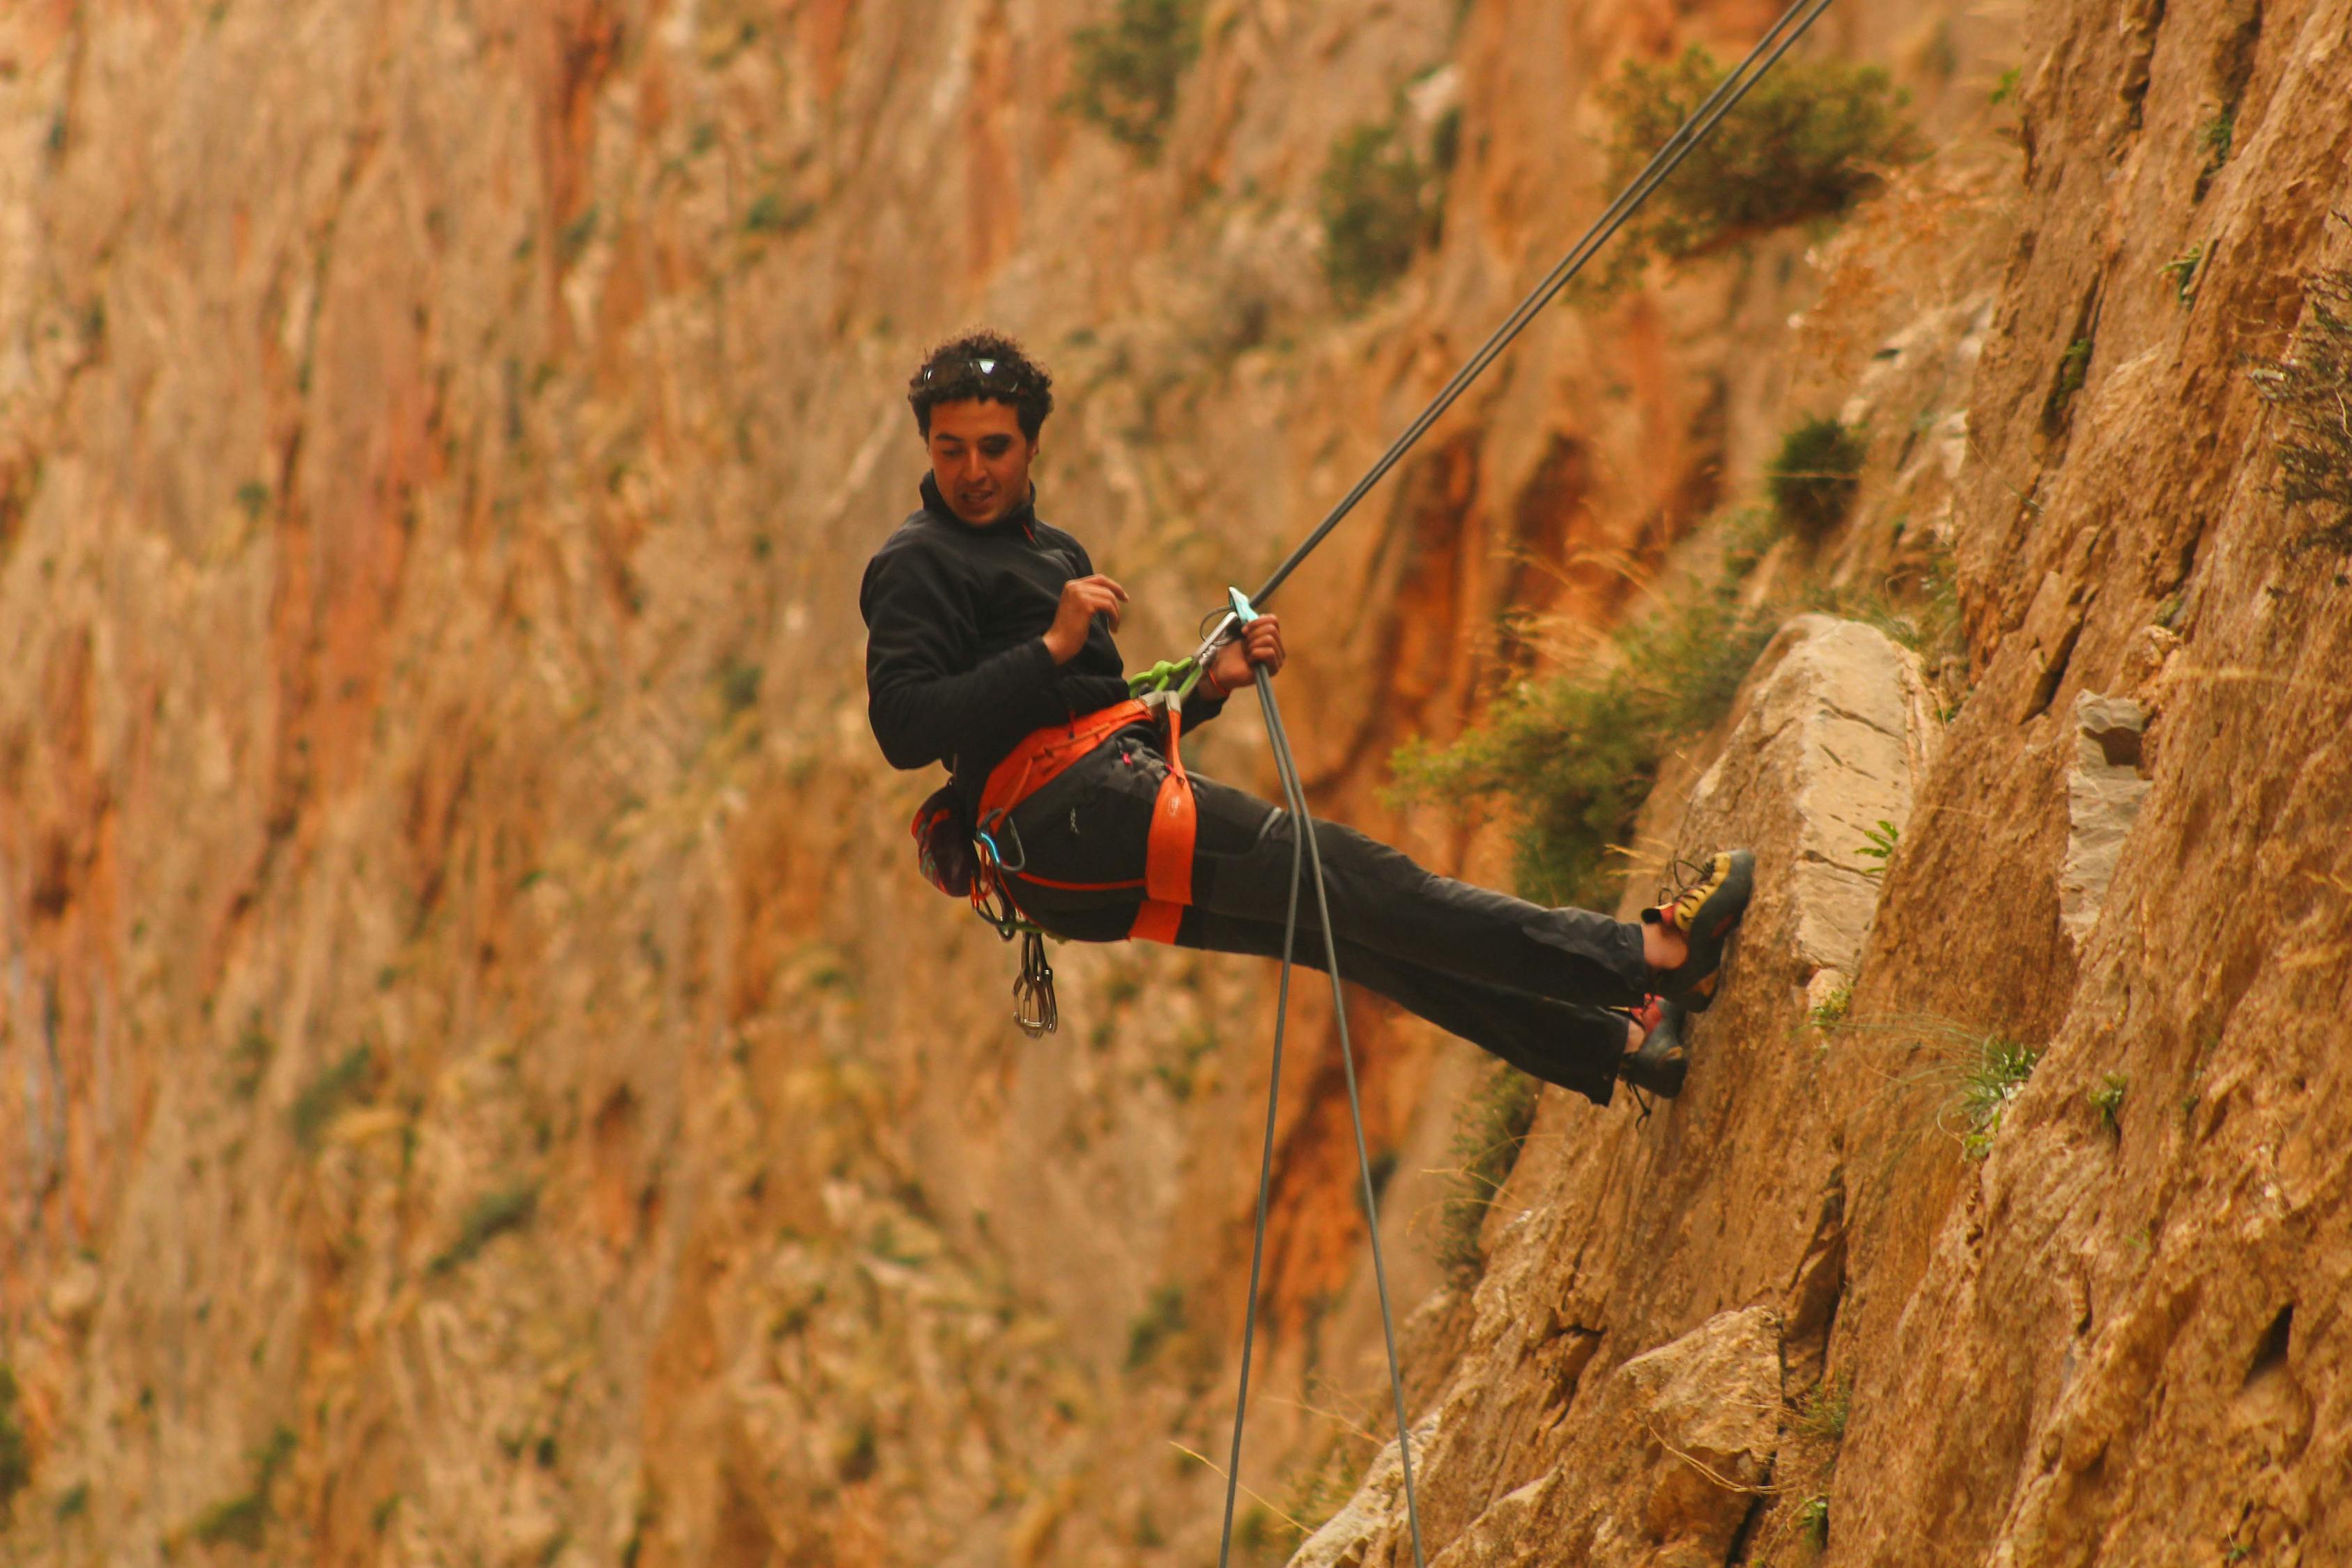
1776,42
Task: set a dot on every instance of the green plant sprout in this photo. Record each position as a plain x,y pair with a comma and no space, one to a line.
1823,1410
1880,844
2107,1099
1988,1085
2182,270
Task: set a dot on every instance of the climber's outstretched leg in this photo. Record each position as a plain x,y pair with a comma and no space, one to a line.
1577,1047
1080,848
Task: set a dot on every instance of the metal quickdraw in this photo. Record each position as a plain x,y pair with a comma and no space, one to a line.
1036,1007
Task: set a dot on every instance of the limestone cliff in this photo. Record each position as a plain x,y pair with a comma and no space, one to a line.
479,1080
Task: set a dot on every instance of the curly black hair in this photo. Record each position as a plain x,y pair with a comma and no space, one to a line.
983,364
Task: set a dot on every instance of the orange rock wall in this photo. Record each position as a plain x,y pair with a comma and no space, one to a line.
465,1004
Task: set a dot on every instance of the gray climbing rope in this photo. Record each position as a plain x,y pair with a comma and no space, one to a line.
1777,41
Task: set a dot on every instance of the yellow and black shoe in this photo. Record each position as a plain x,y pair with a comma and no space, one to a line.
1705,911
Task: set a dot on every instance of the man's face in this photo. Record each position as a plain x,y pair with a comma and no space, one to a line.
980,459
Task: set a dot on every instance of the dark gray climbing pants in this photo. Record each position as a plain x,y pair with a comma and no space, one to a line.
1531,985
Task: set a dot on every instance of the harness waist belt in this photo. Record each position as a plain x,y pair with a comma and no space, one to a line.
1046,754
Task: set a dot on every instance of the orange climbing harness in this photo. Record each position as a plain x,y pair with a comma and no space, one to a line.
1046,754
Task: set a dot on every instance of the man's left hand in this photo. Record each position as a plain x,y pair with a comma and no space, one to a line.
1260,644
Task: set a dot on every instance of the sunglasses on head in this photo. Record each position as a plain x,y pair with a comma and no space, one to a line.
985,371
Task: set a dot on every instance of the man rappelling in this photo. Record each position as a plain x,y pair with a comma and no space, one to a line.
989,648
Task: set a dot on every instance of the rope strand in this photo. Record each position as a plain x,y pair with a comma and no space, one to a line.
1265,1179
1777,41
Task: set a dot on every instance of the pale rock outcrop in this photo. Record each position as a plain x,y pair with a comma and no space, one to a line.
1710,1405
1836,723
1342,1539
2104,792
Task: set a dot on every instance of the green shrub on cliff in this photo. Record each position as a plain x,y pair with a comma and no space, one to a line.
1380,201
325,1096
1127,72
1161,1320
491,1216
1989,1082
244,1520
1571,756
2311,388
1488,1132
1811,139
1814,479
15,1455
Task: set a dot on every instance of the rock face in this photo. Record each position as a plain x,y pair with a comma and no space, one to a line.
1620,1398
479,1081
2046,1226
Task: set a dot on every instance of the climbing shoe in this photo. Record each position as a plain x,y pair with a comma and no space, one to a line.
1705,911
1658,1067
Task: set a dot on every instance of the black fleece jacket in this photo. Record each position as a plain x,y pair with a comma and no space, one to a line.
956,666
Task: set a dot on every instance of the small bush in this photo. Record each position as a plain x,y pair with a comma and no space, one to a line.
1987,1084
1128,71
1381,202
244,1520
1813,1521
2312,389
738,687
1831,1010
2107,1100
2182,270
241,1521
1811,139
1822,1409
2216,137
492,1215
573,240
1814,479
2073,372
1322,1490
860,1454
1162,1319
770,214
16,1453
1488,1133
327,1094
250,1057
1574,755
